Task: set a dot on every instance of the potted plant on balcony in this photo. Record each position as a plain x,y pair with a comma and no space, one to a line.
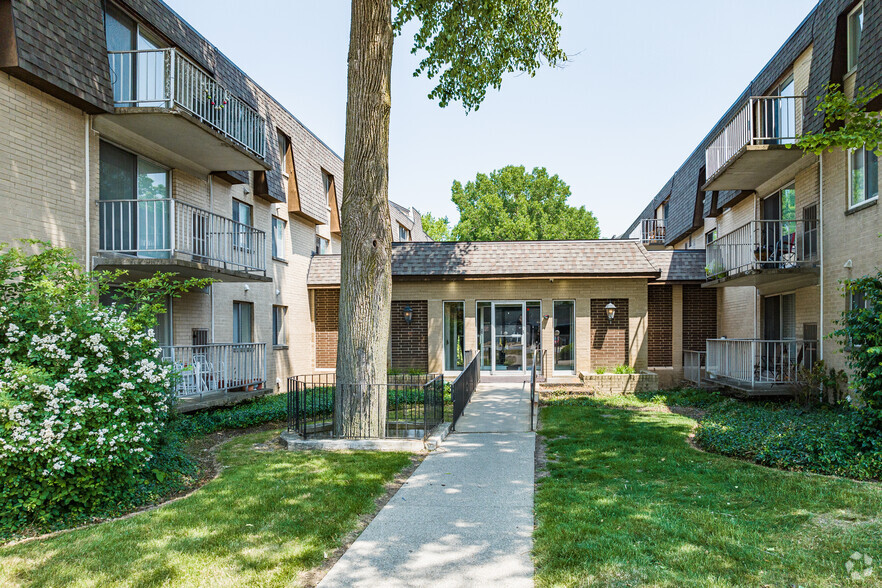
715,270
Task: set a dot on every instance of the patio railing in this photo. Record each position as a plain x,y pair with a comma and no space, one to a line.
763,244
414,405
652,230
217,367
165,78
463,387
758,362
693,366
764,120
162,228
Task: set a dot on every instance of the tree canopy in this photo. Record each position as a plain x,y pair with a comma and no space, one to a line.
847,122
512,204
470,44
438,229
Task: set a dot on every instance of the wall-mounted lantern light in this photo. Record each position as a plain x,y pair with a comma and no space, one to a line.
408,314
610,311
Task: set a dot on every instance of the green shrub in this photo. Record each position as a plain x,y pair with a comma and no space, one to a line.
84,399
624,369
600,370
821,440
256,412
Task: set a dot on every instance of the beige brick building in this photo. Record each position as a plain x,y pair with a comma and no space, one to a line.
780,228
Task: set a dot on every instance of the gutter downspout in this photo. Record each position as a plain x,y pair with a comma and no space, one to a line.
211,286
821,251
88,190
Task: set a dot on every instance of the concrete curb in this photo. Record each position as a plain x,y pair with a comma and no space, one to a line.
293,442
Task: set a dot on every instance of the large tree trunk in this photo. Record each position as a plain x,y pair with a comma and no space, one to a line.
366,272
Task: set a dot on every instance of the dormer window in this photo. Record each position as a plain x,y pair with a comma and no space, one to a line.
403,233
855,28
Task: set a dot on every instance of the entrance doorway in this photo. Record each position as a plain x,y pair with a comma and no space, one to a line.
508,334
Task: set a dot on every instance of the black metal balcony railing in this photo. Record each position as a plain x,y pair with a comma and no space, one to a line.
764,120
763,245
164,228
165,78
652,230
218,367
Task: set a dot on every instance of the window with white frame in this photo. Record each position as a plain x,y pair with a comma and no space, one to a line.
279,237
280,332
322,245
284,146
855,28
243,321
863,182
403,233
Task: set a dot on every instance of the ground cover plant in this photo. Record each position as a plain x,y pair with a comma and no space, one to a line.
268,517
627,501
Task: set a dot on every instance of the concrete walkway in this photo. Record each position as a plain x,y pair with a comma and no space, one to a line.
465,516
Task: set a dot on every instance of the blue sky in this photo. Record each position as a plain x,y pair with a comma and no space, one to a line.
646,81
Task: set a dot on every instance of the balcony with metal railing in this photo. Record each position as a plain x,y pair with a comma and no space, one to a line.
149,235
758,366
217,368
652,231
164,97
764,252
756,145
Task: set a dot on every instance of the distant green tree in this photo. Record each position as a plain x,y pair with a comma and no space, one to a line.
511,204
438,229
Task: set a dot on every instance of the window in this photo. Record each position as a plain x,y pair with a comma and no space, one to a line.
280,332
454,336
322,245
564,336
200,337
710,237
403,233
855,28
328,180
243,319
864,176
242,214
279,238
284,146
857,301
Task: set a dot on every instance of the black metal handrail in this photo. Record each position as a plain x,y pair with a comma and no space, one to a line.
414,405
463,387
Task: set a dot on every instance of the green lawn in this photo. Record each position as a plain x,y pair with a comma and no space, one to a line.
270,515
628,502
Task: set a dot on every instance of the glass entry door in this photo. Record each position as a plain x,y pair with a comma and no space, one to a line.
506,332
509,337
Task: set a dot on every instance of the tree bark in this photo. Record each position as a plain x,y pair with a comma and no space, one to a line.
366,271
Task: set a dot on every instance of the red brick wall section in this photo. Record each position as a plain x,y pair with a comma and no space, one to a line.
410,343
699,316
327,311
660,325
609,340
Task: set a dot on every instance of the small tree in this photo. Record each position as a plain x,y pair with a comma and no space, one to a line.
84,397
860,335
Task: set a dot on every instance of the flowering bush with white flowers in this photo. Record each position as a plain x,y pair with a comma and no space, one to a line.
84,395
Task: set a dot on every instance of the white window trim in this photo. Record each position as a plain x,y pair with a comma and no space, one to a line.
851,203
281,249
848,56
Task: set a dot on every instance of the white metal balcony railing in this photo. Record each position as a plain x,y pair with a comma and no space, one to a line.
694,366
763,245
653,230
218,367
163,228
756,362
163,78
764,120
